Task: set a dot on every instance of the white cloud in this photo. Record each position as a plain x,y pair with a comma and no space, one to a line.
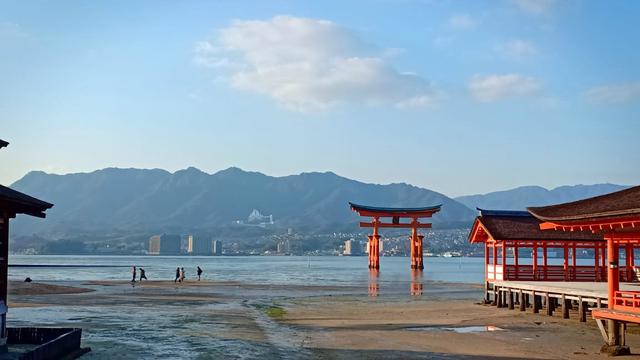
611,94
518,49
307,64
462,21
488,88
535,7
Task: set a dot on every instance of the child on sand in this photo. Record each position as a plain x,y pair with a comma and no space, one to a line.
182,274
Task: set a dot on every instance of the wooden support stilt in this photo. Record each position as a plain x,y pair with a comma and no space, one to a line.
565,307
549,304
582,310
510,299
536,303
523,303
499,294
495,295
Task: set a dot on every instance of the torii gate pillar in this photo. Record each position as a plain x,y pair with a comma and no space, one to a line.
416,250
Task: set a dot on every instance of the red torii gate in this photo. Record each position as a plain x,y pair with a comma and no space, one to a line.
415,214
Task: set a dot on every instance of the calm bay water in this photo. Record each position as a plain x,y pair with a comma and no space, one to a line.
282,270
121,321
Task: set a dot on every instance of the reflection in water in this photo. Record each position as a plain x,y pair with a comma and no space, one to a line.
374,286
416,282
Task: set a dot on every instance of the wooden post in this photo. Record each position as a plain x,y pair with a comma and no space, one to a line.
503,258
495,295
4,272
515,261
499,292
613,281
544,259
420,256
522,305
495,261
547,299
596,261
536,303
574,255
565,307
627,257
486,261
582,310
534,256
566,262
510,299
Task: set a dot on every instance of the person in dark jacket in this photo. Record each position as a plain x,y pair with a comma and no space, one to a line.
143,275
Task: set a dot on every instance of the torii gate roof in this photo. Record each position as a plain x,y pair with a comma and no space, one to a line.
364,210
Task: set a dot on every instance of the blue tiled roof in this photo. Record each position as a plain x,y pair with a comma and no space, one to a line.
392,210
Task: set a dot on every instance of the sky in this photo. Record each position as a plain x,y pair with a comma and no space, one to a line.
460,97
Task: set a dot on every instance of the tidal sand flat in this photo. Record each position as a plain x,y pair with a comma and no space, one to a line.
237,320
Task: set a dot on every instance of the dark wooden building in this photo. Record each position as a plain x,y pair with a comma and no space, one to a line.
12,203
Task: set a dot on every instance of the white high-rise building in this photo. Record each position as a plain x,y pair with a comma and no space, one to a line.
352,247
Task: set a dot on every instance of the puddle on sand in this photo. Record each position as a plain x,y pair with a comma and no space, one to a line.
459,330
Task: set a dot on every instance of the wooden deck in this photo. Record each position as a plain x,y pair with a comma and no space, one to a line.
551,295
589,291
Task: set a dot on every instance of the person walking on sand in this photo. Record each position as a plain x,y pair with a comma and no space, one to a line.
182,274
142,275
177,275
134,273
199,272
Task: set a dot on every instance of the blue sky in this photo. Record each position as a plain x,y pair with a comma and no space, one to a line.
460,97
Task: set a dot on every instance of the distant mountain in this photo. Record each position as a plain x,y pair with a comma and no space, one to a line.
124,200
525,196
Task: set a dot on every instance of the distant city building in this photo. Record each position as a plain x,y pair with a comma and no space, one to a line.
284,247
164,245
289,231
257,218
189,244
352,247
217,247
198,246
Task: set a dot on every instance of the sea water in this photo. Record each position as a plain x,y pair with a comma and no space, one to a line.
119,322
281,270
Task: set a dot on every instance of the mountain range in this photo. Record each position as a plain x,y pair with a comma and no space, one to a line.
155,200
522,197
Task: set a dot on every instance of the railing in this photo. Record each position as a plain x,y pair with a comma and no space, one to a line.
627,301
552,273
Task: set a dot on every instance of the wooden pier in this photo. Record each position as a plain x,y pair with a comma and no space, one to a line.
551,296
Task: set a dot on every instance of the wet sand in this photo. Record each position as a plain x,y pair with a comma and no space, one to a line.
349,328
316,322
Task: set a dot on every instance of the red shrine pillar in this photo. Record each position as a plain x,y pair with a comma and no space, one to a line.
374,247
613,280
416,248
